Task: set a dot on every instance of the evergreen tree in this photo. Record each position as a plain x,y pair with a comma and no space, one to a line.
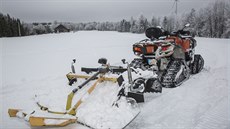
124,26
154,22
133,26
10,27
142,24
191,18
165,23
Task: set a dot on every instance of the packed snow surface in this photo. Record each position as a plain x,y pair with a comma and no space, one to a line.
33,70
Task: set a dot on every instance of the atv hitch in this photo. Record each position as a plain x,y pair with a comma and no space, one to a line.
139,97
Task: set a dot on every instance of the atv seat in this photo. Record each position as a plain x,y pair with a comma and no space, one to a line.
154,33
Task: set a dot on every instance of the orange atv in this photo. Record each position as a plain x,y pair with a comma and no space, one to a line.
171,55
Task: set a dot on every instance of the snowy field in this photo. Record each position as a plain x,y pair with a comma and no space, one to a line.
38,64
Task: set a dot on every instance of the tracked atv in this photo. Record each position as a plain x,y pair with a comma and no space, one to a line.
171,55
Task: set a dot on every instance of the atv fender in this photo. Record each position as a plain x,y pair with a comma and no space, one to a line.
178,52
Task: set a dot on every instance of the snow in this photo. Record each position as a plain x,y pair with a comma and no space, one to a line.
98,111
53,122
1,84
34,68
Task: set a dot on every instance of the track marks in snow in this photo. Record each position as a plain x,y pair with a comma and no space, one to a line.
217,117
186,106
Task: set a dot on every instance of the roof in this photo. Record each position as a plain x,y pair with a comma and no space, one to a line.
61,27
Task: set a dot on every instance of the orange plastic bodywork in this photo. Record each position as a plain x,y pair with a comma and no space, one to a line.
150,49
184,43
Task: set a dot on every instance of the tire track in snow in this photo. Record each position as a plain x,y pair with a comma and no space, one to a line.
217,117
183,107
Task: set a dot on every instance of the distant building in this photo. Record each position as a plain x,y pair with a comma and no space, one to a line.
60,28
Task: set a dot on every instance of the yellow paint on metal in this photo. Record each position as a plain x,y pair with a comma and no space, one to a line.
114,80
55,112
73,110
69,101
94,85
13,112
71,95
73,75
37,121
40,121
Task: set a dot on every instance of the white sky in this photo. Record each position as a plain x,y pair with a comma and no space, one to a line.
93,10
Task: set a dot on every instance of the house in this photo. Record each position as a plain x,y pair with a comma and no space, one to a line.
60,28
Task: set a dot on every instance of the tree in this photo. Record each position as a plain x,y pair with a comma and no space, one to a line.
133,26
191,19
227,31
165,23
200,23
10,27
214,19
155,22
39,29
124,26
90,26
142,24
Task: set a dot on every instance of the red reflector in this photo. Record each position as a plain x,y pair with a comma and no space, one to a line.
164,48
137,49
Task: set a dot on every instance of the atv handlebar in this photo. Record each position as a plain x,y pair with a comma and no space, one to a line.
180,32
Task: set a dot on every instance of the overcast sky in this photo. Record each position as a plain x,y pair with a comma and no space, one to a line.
93,10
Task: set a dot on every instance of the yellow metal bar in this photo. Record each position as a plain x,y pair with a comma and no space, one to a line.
13,112
94,85
69,101
37,121
114,80
70,96
73,75
73,110
44,121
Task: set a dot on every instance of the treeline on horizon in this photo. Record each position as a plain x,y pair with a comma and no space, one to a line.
11,27
211,21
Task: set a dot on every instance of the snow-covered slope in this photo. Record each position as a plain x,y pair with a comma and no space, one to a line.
35,64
